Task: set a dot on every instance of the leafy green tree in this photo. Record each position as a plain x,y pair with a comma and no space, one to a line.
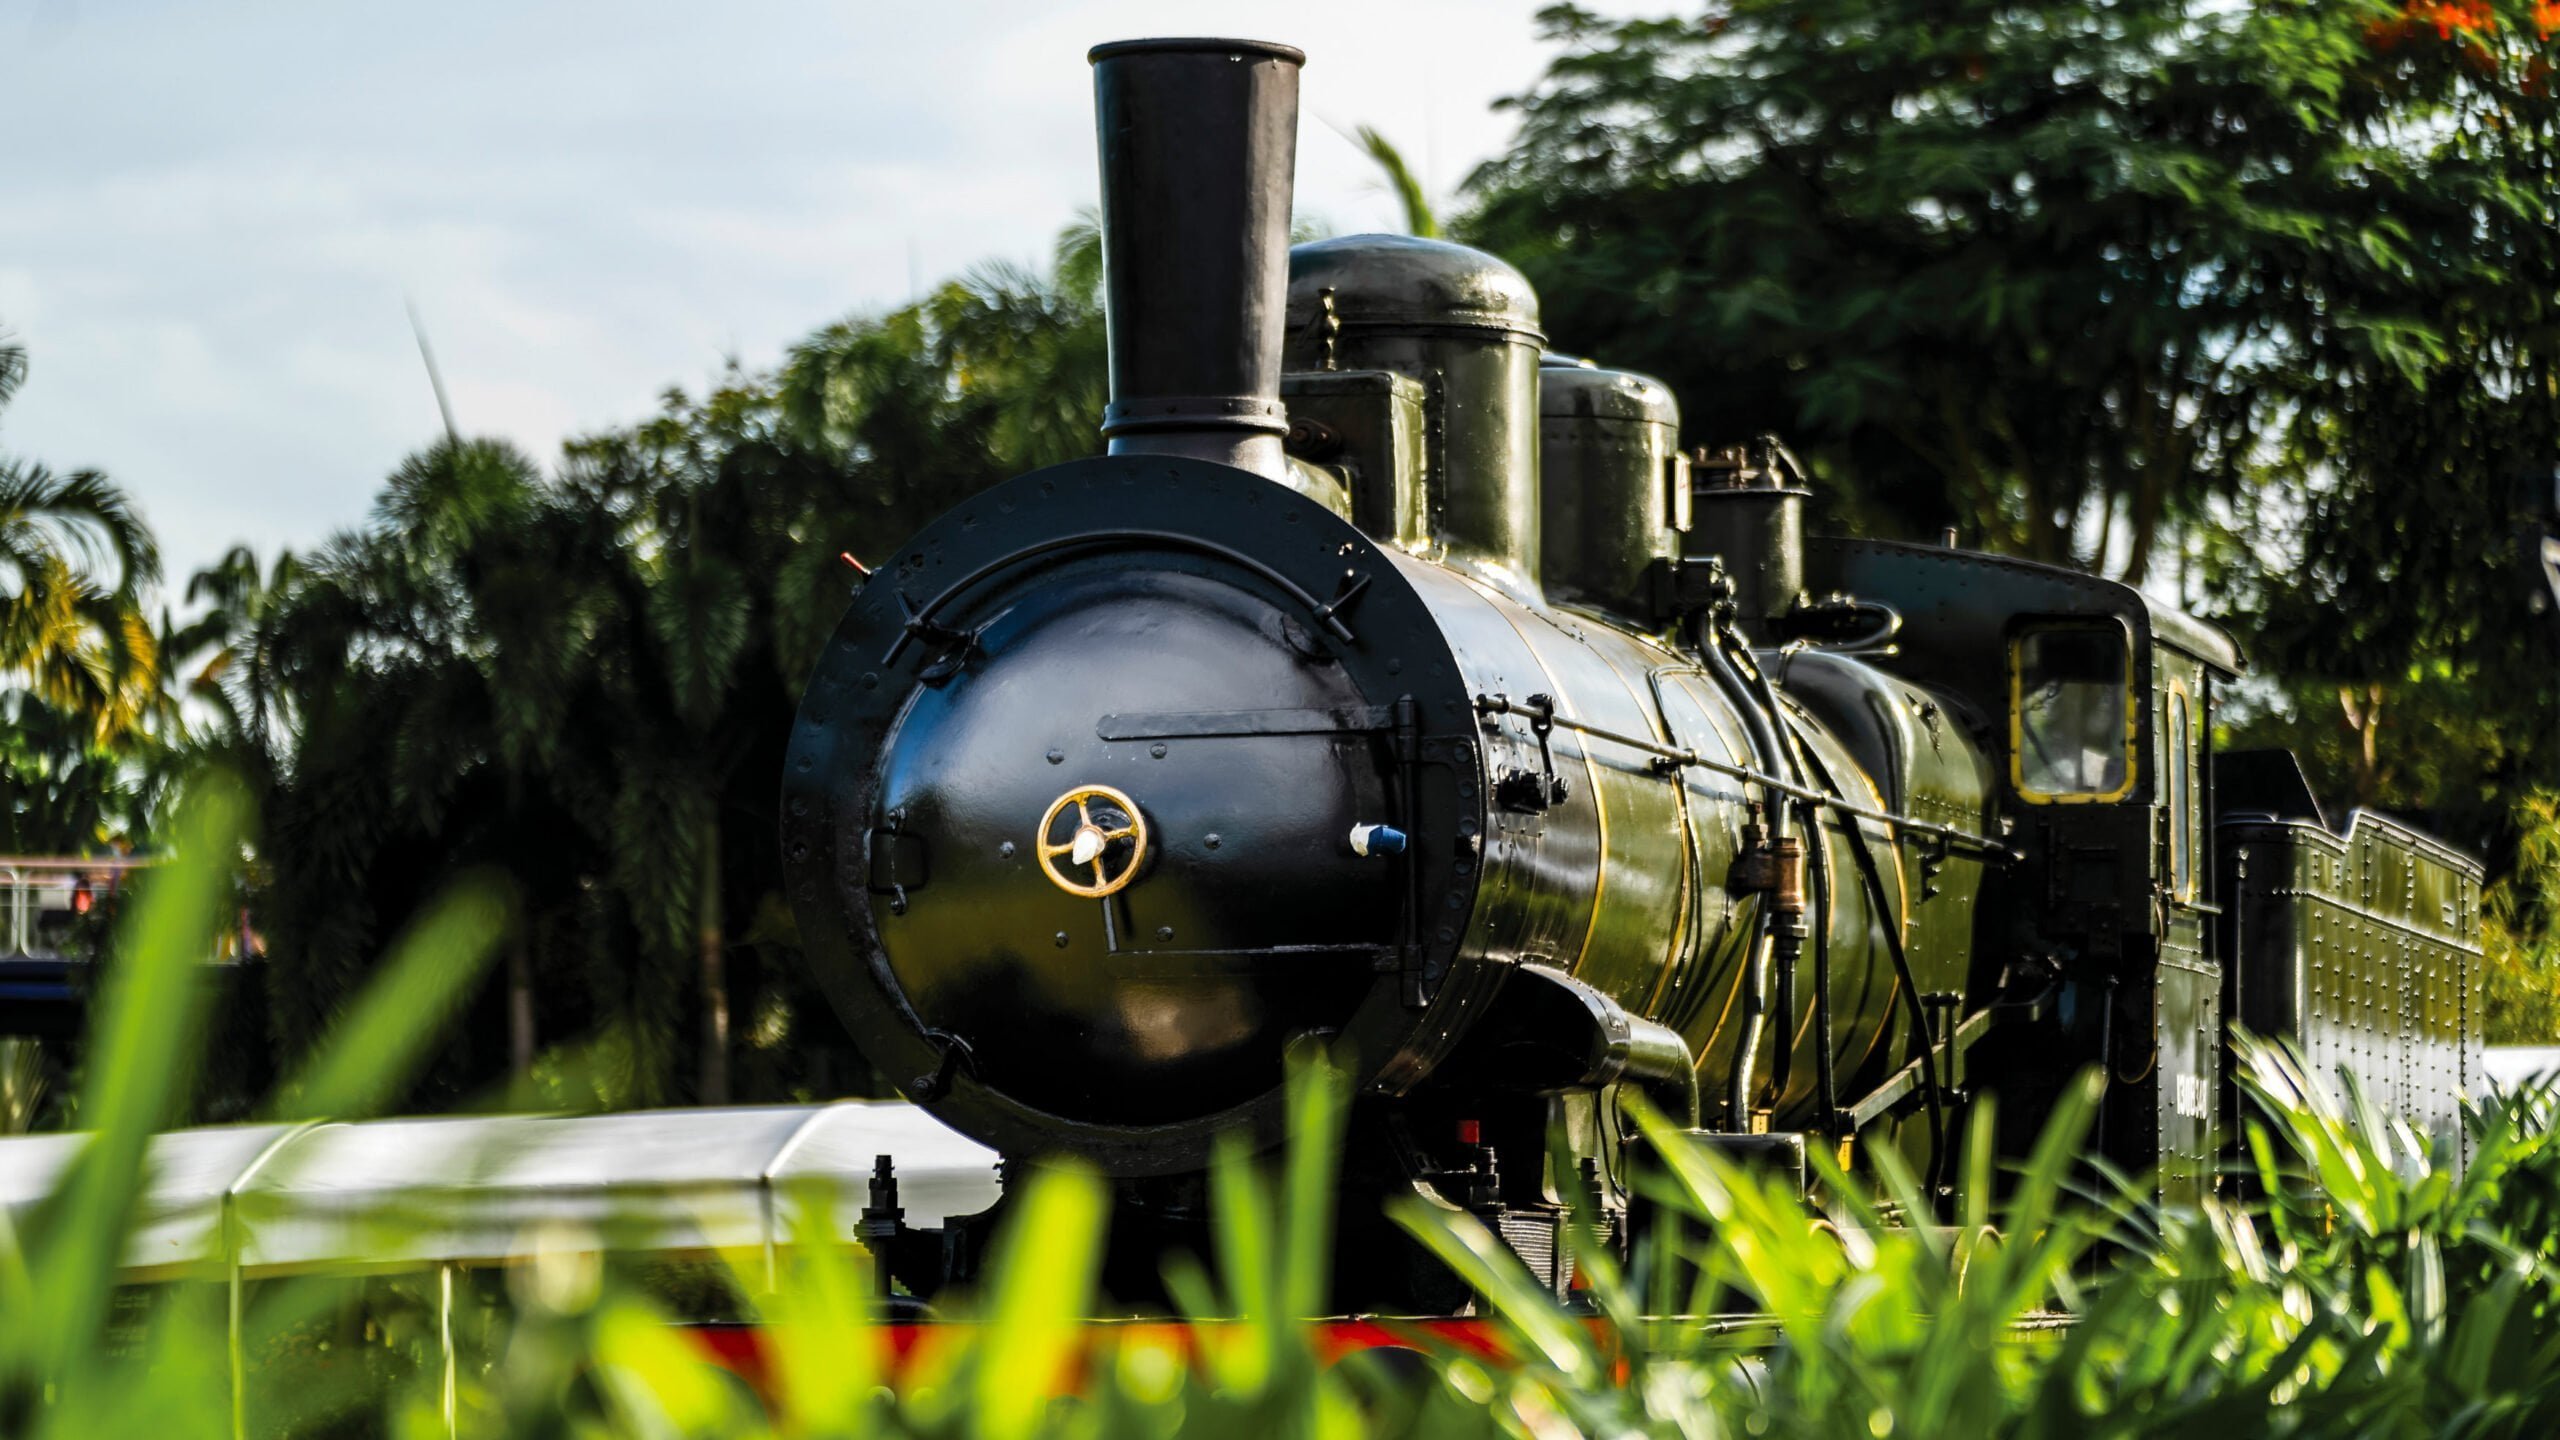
707,499
585,680
2045,270
75,560
2253,302
217,692
993,374
390,713
67,794
2520,931
2384,570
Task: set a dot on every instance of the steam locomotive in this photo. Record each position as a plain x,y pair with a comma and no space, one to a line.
1396,682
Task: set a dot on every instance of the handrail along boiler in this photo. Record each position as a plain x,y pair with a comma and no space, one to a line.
1394,681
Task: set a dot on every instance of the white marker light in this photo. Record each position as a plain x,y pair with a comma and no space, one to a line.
1377,840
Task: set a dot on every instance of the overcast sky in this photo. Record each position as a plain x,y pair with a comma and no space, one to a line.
211,215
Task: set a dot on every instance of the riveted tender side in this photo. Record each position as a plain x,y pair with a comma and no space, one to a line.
2363,948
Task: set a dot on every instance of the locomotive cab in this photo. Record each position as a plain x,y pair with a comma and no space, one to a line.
2097,701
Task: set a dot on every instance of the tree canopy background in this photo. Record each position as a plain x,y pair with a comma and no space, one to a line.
2250,304
2253,304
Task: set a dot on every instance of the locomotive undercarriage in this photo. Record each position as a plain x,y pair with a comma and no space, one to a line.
1378,1268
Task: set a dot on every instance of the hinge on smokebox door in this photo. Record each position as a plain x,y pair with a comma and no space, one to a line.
952,648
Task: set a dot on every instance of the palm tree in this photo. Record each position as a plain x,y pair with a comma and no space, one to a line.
704,506
995,373
405,687
216,661
75,560
585,679
67,796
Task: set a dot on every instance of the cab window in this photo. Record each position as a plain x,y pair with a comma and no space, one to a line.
2182,762
2071,706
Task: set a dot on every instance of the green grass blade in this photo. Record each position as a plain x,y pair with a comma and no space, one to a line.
1044,1271
1484,1262
1315,1148
375,1050
142,1049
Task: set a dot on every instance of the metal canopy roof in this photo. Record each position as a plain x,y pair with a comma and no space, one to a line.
270,1199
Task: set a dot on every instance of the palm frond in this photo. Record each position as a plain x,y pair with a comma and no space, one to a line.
82,515
1075,263
13,367
1418,217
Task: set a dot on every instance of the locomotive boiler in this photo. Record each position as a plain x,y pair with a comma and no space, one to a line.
1395,683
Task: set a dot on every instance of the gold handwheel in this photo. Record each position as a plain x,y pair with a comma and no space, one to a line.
1089,842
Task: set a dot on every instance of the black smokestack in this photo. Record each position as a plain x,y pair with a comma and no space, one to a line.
1199,142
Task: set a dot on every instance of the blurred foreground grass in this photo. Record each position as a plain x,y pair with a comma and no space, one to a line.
2376,1292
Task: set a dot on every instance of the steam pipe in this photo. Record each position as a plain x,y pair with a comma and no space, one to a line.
1826,1081
1199,143
1755,1024
1907,987
1785,950
1787,936
1657,1059
1758,726
1543,1031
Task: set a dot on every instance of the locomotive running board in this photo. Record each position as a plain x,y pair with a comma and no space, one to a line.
1208,724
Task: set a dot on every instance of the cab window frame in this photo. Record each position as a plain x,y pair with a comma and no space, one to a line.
2183,756
2134,694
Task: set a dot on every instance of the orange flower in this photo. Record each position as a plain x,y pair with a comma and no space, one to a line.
2468,17
2546,18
